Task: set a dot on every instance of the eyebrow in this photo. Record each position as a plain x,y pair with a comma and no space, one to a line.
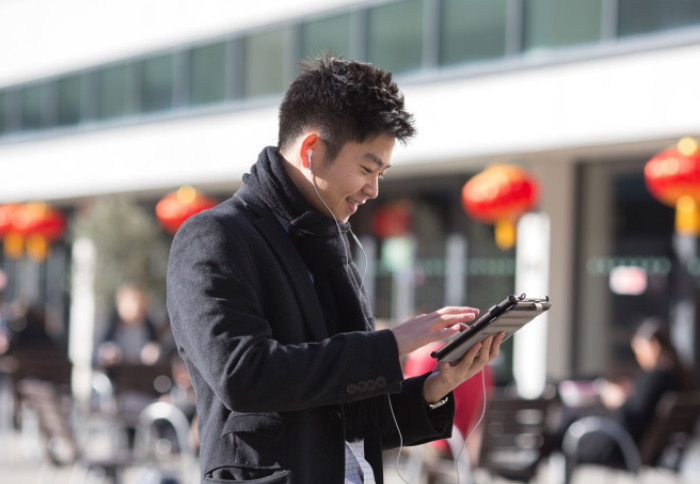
376,160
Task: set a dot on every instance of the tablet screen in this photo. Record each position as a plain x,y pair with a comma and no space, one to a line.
509,316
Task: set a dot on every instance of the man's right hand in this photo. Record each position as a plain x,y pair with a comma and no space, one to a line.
436,326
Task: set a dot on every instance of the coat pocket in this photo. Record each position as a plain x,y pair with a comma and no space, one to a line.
259,446
228,474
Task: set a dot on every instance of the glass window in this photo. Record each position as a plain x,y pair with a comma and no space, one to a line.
642,16
157,83
395,36
327,34
555,23
208,73
3,109
472,30
68,100
32,106
10,109
264,63
624,262
113,92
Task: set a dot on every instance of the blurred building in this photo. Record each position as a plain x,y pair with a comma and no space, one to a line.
98,98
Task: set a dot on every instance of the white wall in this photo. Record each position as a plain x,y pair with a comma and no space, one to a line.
620,99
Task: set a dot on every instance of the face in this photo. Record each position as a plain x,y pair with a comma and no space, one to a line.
352,178
131,306
647,352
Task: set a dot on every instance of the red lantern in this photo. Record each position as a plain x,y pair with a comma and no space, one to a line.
38,218
673,177
6,214
12,242
176,207
500,195
392,219
35,225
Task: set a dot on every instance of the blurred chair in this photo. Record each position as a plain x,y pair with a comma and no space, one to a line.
7,415
514,436
41,406
45,420
148,457
98,426
149,439
663,445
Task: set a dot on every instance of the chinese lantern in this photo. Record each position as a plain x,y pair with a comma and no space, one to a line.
392,219
33,225
500,195
673,177
12,242
176,207
6,213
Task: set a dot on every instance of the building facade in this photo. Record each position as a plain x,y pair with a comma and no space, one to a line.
139,98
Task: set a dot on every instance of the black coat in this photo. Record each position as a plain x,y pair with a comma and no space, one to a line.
270,382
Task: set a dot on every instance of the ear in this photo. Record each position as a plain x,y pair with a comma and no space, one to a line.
307,146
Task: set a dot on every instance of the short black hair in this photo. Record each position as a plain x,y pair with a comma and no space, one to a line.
345,100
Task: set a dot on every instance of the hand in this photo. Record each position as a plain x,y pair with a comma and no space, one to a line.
109,353
613,394
448,376
428,328
150,353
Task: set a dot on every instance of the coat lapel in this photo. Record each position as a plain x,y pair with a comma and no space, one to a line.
289,258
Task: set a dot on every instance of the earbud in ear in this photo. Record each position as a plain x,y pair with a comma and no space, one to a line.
308,159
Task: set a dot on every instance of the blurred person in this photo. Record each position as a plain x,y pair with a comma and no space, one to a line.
632,402
269,313
4,330
469,402
27,327
130,335
130,342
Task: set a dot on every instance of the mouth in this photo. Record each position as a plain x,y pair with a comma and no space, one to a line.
353,204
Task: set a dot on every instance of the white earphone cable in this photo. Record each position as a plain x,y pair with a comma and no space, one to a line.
340,234
364,272
391,408
478,422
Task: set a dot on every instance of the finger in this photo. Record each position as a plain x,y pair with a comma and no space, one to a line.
457,310
442,321
485,352
496,344
471,355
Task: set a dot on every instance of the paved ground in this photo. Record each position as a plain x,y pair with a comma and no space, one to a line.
18,468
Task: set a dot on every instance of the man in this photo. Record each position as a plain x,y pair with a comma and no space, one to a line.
293,384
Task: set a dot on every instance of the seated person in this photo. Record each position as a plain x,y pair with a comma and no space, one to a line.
129,343
26,327
130,335
632,403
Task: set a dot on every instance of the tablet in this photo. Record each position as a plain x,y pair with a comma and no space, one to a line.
509,315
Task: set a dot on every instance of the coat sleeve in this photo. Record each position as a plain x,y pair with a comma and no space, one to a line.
416,421
220,326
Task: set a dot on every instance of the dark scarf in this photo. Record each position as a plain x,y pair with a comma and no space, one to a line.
325,248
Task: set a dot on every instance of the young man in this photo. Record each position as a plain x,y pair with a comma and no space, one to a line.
268,310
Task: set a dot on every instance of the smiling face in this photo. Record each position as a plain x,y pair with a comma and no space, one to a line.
351,178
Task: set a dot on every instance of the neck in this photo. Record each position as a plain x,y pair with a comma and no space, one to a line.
305,185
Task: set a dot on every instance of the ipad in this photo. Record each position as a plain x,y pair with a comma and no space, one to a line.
509,315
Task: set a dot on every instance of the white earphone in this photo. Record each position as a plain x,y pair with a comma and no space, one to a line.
308,158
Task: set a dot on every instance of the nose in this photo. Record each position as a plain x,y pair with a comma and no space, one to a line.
371,188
